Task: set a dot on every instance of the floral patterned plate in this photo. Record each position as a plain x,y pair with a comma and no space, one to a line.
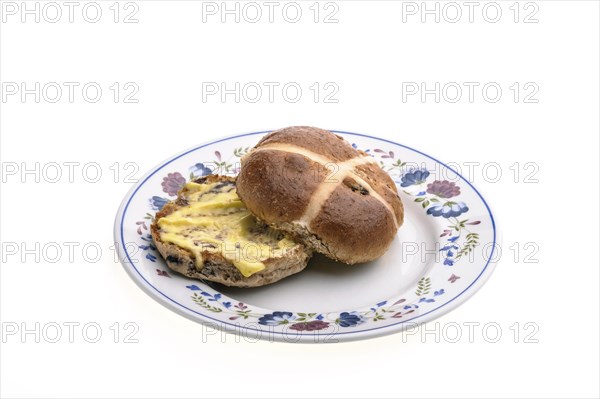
442,255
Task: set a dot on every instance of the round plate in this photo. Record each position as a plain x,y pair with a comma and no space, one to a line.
442,254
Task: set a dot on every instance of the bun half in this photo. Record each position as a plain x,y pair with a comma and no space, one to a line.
314,185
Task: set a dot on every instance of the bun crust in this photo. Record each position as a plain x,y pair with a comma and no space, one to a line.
314,185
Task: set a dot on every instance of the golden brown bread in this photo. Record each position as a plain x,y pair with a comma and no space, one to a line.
314,185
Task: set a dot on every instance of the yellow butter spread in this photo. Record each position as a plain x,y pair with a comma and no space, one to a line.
215,220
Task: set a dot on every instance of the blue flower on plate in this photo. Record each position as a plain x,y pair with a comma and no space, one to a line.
276,318
199,170
349,319
356,147
448,209
157,203
414,177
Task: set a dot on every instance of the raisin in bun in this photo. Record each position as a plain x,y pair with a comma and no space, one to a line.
314,185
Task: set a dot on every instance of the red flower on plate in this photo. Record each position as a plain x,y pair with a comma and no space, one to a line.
310,326
443,189
173,183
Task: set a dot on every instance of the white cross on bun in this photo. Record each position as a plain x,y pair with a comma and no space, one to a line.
313,185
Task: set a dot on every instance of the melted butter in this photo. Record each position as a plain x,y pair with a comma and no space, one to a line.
216,220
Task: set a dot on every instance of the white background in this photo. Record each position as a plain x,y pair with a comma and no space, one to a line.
368,54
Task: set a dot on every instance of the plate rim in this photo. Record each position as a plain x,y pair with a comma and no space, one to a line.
316,336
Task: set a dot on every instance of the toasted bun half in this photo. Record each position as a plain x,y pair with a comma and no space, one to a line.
215,267
314,185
